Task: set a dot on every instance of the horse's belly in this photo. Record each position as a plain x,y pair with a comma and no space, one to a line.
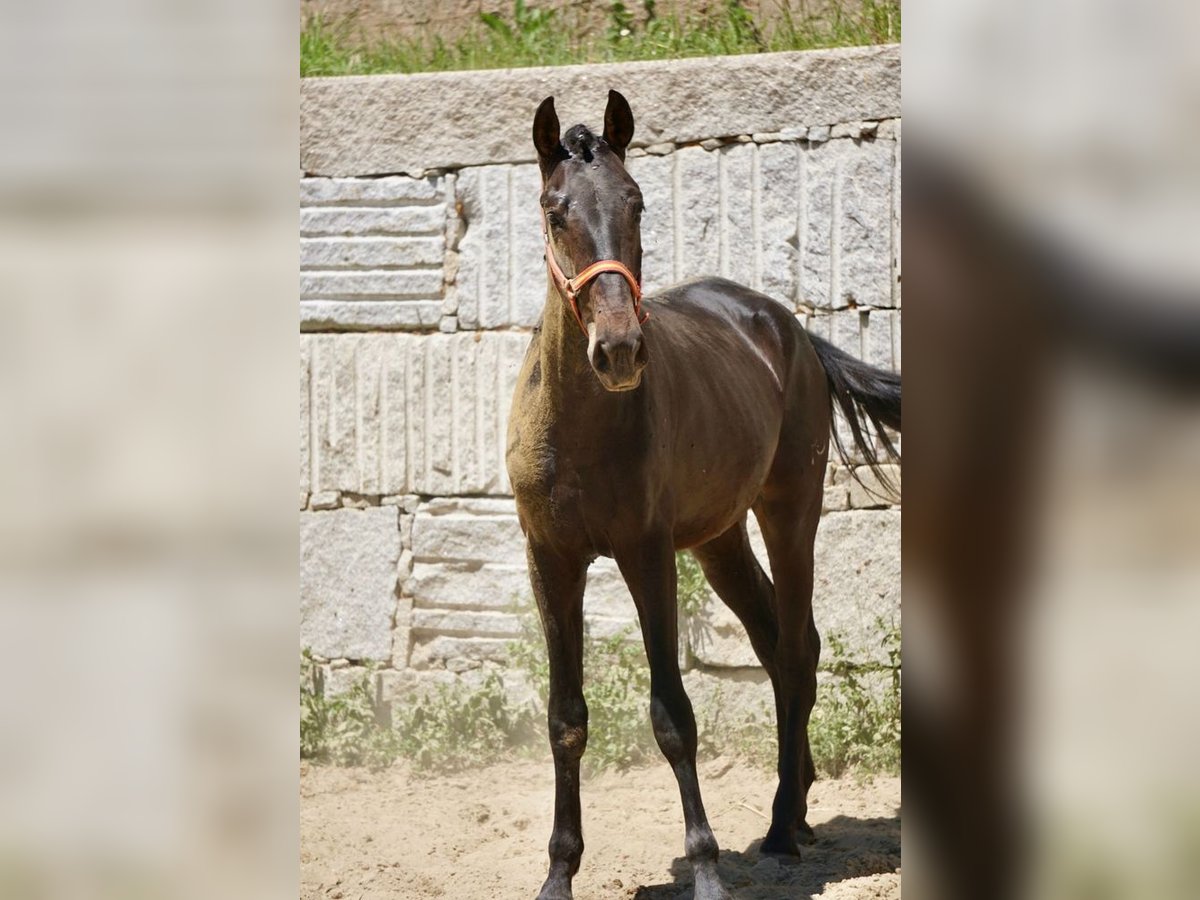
715,498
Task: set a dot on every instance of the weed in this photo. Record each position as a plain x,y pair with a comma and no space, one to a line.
350,729
616,686
855,725
693,588
444,730
726,729
544,37
457,726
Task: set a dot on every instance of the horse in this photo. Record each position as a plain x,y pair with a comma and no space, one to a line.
643,426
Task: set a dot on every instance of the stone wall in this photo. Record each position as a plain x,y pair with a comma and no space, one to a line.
419,284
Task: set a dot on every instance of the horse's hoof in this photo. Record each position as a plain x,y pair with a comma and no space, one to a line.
804,833
708,887
555,889
780,842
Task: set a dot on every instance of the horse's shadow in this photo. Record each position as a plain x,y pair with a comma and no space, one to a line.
845,848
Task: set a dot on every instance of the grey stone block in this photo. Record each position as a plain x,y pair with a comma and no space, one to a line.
805,224
864,226
398,414
868,491
606,595
717,638
364,221
321,500
857,578
369,315
780,180
745,693
697,242
501,276
305,420
467,538
739,253
836,497
449,585
877,340
471,623
317,191
457,654
405,123
392,285
655,176
348,582
345,252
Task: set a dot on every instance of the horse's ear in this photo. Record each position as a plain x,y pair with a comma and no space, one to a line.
550,150
618,123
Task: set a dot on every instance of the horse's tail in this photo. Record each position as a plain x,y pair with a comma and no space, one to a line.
869,398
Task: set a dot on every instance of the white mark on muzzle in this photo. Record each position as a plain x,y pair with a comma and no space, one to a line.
591,329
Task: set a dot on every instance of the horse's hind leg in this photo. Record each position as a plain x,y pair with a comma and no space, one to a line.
735,574
788,512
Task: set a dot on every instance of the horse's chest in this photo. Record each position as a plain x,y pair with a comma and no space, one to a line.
564,494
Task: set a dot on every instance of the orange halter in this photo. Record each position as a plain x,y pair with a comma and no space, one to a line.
570,287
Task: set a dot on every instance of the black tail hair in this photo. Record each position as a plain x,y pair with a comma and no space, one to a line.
865,395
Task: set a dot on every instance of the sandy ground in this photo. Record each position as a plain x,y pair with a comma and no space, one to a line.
482,835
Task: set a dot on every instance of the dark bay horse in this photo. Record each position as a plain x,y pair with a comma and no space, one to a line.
633,442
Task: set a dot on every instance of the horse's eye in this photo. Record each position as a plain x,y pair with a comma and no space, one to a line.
556,220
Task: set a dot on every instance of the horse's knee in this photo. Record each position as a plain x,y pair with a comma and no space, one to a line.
674,726
700,844
568,722
796,660
814,642
566,845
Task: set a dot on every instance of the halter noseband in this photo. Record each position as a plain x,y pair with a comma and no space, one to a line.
570,287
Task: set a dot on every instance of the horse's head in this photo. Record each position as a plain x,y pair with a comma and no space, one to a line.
593,212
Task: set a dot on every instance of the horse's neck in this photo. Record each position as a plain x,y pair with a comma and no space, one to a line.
569,387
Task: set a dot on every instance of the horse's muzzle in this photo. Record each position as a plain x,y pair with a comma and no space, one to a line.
618,361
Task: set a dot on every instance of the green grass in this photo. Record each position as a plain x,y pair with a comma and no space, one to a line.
543,37
854,728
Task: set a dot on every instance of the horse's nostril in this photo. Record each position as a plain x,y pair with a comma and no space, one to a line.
641,356
602,362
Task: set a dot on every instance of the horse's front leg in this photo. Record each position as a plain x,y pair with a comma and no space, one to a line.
558,580
649,570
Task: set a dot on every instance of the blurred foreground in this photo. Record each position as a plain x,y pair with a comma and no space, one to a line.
148,452
1052,509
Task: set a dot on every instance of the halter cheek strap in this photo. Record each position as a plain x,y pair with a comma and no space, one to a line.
570,287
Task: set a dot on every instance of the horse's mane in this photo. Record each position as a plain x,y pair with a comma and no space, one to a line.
580,141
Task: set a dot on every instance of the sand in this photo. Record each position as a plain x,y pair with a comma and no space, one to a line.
482,835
